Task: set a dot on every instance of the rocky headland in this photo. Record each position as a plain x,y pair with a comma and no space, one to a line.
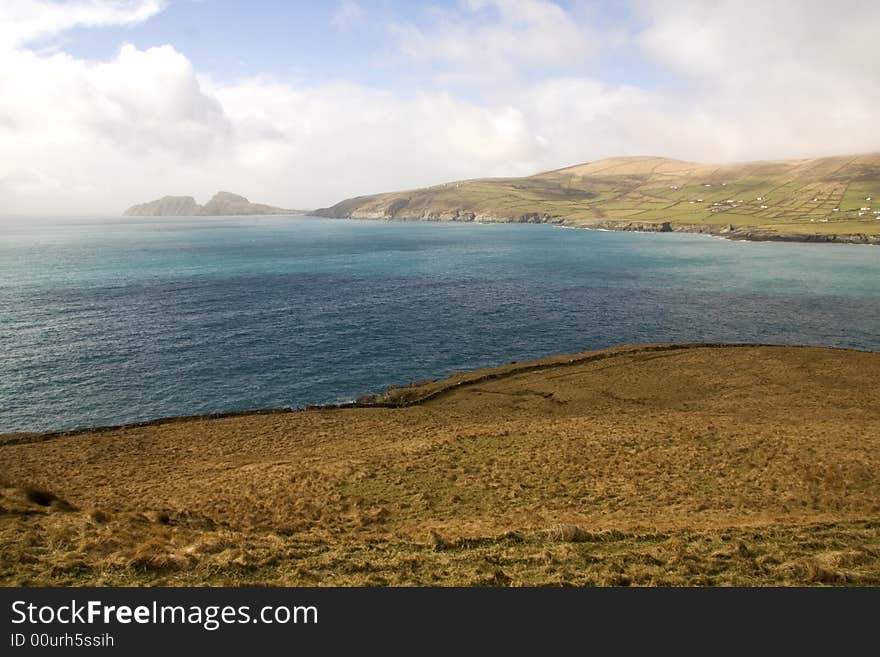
818,200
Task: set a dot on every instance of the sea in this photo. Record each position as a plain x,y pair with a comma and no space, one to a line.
108,320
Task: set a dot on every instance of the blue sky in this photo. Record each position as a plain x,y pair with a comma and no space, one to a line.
309,41
108,102
230,39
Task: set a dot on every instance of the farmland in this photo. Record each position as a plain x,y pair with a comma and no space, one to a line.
834,196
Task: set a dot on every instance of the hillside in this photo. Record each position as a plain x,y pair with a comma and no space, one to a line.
824,199
221,204
650,465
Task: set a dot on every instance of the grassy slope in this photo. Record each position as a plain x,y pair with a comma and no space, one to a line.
655,190
675,466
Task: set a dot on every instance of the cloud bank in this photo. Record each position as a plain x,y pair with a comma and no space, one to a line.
507,88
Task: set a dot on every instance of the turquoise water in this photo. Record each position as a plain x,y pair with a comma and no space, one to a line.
116,320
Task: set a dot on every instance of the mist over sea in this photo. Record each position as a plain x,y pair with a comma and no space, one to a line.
113,320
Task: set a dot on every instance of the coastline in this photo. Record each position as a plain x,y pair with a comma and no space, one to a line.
727,231
414,394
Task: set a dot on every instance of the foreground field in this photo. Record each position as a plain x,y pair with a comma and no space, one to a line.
821,199
659,465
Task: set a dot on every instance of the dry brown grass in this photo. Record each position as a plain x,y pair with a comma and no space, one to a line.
686,466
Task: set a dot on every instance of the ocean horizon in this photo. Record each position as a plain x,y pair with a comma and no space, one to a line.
109,320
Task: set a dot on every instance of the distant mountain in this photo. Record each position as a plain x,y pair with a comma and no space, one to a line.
827,199
221,204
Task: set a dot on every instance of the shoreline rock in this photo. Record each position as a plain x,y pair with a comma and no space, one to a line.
728,231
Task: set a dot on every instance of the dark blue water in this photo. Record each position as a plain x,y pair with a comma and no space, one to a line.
118,320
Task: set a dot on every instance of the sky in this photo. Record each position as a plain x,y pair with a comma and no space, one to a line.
106,103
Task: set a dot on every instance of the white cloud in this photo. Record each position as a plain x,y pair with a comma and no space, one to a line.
781,78
92,130
347,14
488,38
750,81
145,124
23,21
778,41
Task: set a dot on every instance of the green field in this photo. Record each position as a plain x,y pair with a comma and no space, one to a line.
819,196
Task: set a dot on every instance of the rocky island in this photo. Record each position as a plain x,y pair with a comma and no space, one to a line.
829,199
221,204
